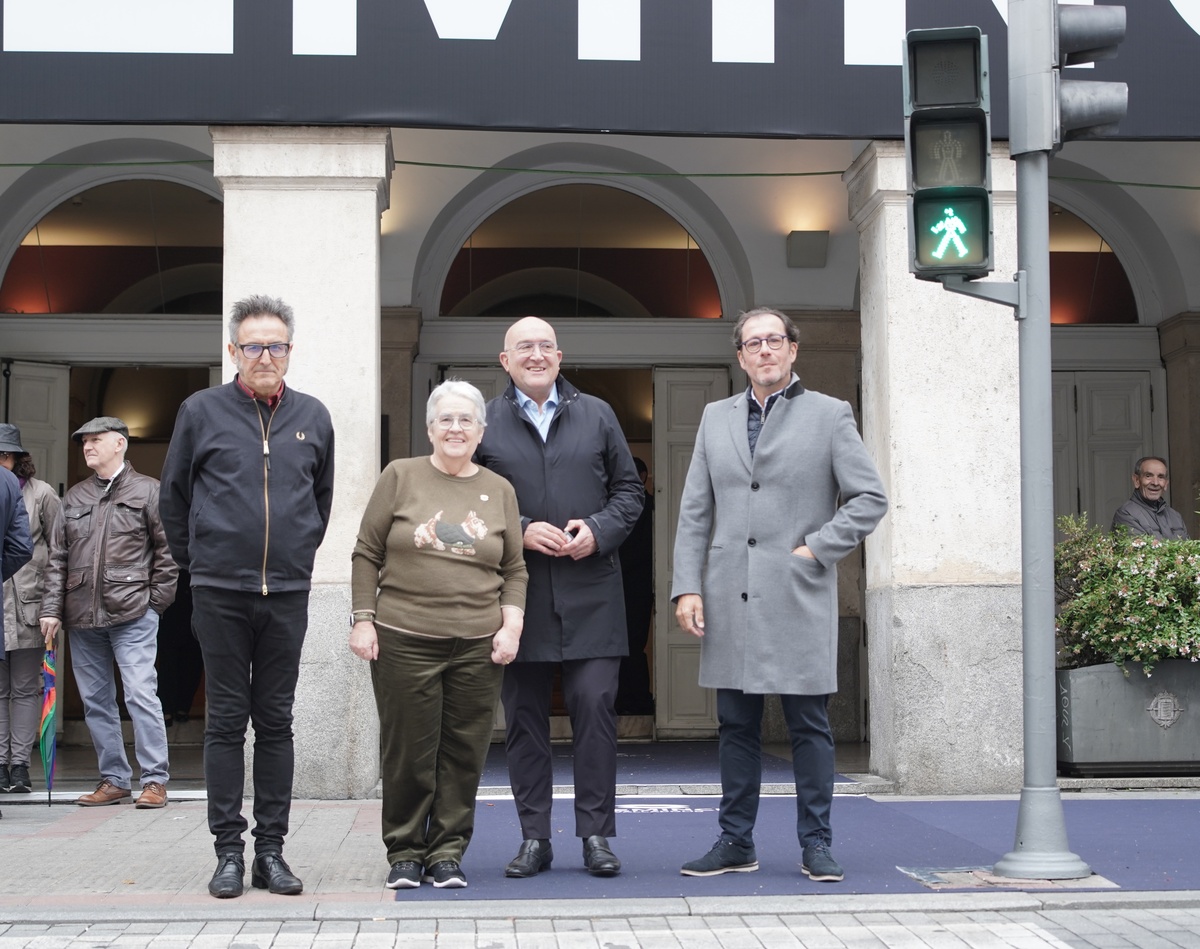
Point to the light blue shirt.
(543, 417)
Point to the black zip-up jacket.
(247, 490)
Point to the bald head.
(528, 328)
(531, 357)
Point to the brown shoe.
(153, 795)
(106, 793)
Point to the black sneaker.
(725, 857)
(819, 864)
(3, 777)
(18, 780)
(404, 875)
(445, 873)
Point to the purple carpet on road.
(663, 762)
(1136, 844)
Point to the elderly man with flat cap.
(109, 578)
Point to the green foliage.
(1125, 598)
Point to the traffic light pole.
(1041, 851)
(946, 110)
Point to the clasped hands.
(575, 540)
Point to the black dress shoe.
(271, 872)
(533, 857)
(226, 883)
(599, 858)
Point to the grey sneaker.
(819, 865)
(445, 873)
(404, 875)
(725, 857)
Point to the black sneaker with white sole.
(445, 873)
(725, 857)
(819, 865)
(404, 875)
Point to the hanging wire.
(162, 290)
(37, 230)
(1095, 281)
(578, 246)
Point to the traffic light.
(1046, 109)
(1087, 34)
(948, 143)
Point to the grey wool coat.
(771, 616)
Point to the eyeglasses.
(774, 341)
(446, 422)
(255, 350)
(544, 346)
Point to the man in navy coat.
(780, 488)
(579, 496)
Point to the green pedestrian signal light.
(951, 229)
(947, 138)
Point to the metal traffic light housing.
(948, 146)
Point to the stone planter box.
(1110, 724)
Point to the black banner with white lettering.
(791, 68)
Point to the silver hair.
(459, 387)
(259, 304)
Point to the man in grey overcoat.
(756, 550)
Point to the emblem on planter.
(1165, 709)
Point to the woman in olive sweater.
(438, 578)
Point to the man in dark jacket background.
(246, 492)
(579, 497)
(1147, 511)
(108, 579)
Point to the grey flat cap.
(10, 438)
(98, 426)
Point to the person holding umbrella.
(20, 676)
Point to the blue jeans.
(134, 647)
(740, 752)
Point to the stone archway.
(677, 196)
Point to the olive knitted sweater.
(437, 554)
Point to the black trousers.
(251, 645)
(740, 751)
(590, 689)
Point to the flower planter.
(1110, 724)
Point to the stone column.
(401, 333)
(1179, 340)
(943, 570)
(302, 208)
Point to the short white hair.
(459, 387)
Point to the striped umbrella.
(48, 739)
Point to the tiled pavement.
(1094, 928)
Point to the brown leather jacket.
(109, 560)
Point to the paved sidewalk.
(116, 876)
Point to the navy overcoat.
(575, 609)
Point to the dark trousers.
(590, 688)
(251, 645)
(740, 749)
(436, 701)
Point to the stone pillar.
(302, 208)
(943, 570)
(401, 332)
(1179, 340)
